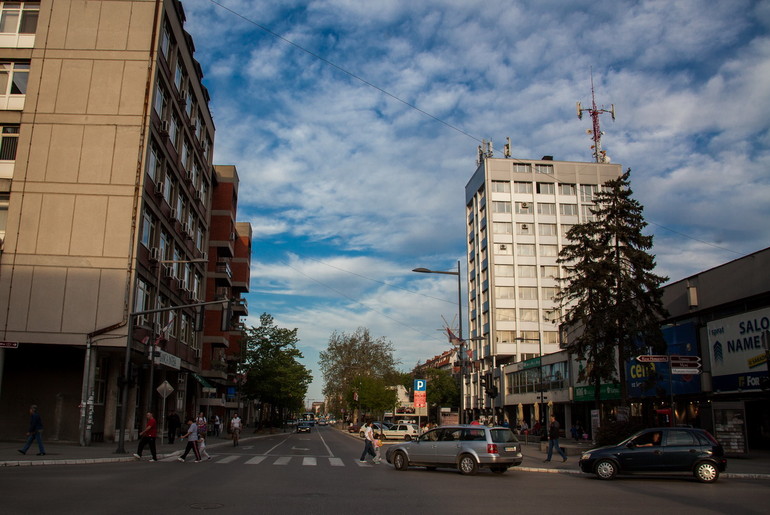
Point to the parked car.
(401, 432)
(464, 447)
(304, 426)
(353, 427)
(660, 449)
(377, 427)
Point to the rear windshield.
(503, 436)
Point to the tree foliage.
(347, 360)
(273, 373)
(611, 295)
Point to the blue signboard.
(420, 385)
(655, 379)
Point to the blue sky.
(348, 188)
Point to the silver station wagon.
(464, 447)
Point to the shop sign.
(735, 348)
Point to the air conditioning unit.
(174, 214)
(168, 271)
(159, 189)
(188, 176)
(524, 227)
(155, 254)
(503, 247)
(205, 256)
(164, 127)
(198, 195)
(197, 353)
(525, 205)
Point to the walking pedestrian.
(378, 447)
(368, 443)
(192, 441)
(147, 437)
(217, 426)
(235, 429)
(173, 423)
(202, 423)
(553, 440)
(202, 447)
(34, 432)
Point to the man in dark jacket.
(174, 423)
(34, 432)
(553, 440)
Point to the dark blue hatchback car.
(661, 449)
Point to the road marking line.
(256, 460)
(363, 464)
(228, 459)
(336, 462)
(283, 460)
(309, 461)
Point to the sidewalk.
(755, 466)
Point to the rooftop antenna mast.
(599, 155)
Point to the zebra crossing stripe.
(336, 462)
(309, 461)
(255, 460)
(283, 460)
(228, 459)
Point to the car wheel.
(706, 472)
(399, 461)
(467, 465)
(498, 470)
(606, 469)
(407, 438)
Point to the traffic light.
(483, 380)
(492, 392)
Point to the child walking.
(377, 447)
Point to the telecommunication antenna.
(599, 155)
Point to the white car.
(402, 432)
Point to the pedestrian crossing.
(274, 460)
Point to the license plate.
(510, 449)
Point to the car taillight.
(491, 448)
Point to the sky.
(354, 126)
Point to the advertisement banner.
(735, 346)
(654, 379)
(420, 393)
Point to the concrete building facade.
(518, 213)
(108, 215)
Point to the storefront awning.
(202, 381)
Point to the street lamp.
(459, 329)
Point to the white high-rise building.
(518, 213)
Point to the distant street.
(319, 473)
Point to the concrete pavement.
(755, 466)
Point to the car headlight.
(586, 456)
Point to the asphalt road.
(318, 472)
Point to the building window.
(565, 228)
(505, 315)
(566, 189)
(502, 228)
(527, 293)
(546, 188)
(148, 228)
(501, 207)
(525, 249)
(544, 169)
(528, 315)
(142, 301)
(527, 271)
(568, 209)
(505, 292)
(587, 192)
(503, 271)
(549, 272)
(165, 41)
(546, 208)
(178, 74)
(549, 293)
(504, 336)
(585, 210)
(159, 102)
(19, 17)
(5, 201)
(13, 78)
(523, 208)
(154, 168)
(546, 229)
(525, 229)
(550, 337)
(521, 168)
(9, 142)
(503, 248)
(501, 186)
(100, 380)
(522, 187)
(549, 250)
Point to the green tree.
(349, 357)
(611, 295)
(374, 395)
(274, 376)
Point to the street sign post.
(685, 365)
(9, 345)
(652, 358)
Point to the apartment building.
(106, 183)
(518, 213)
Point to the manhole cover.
(206, 506)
